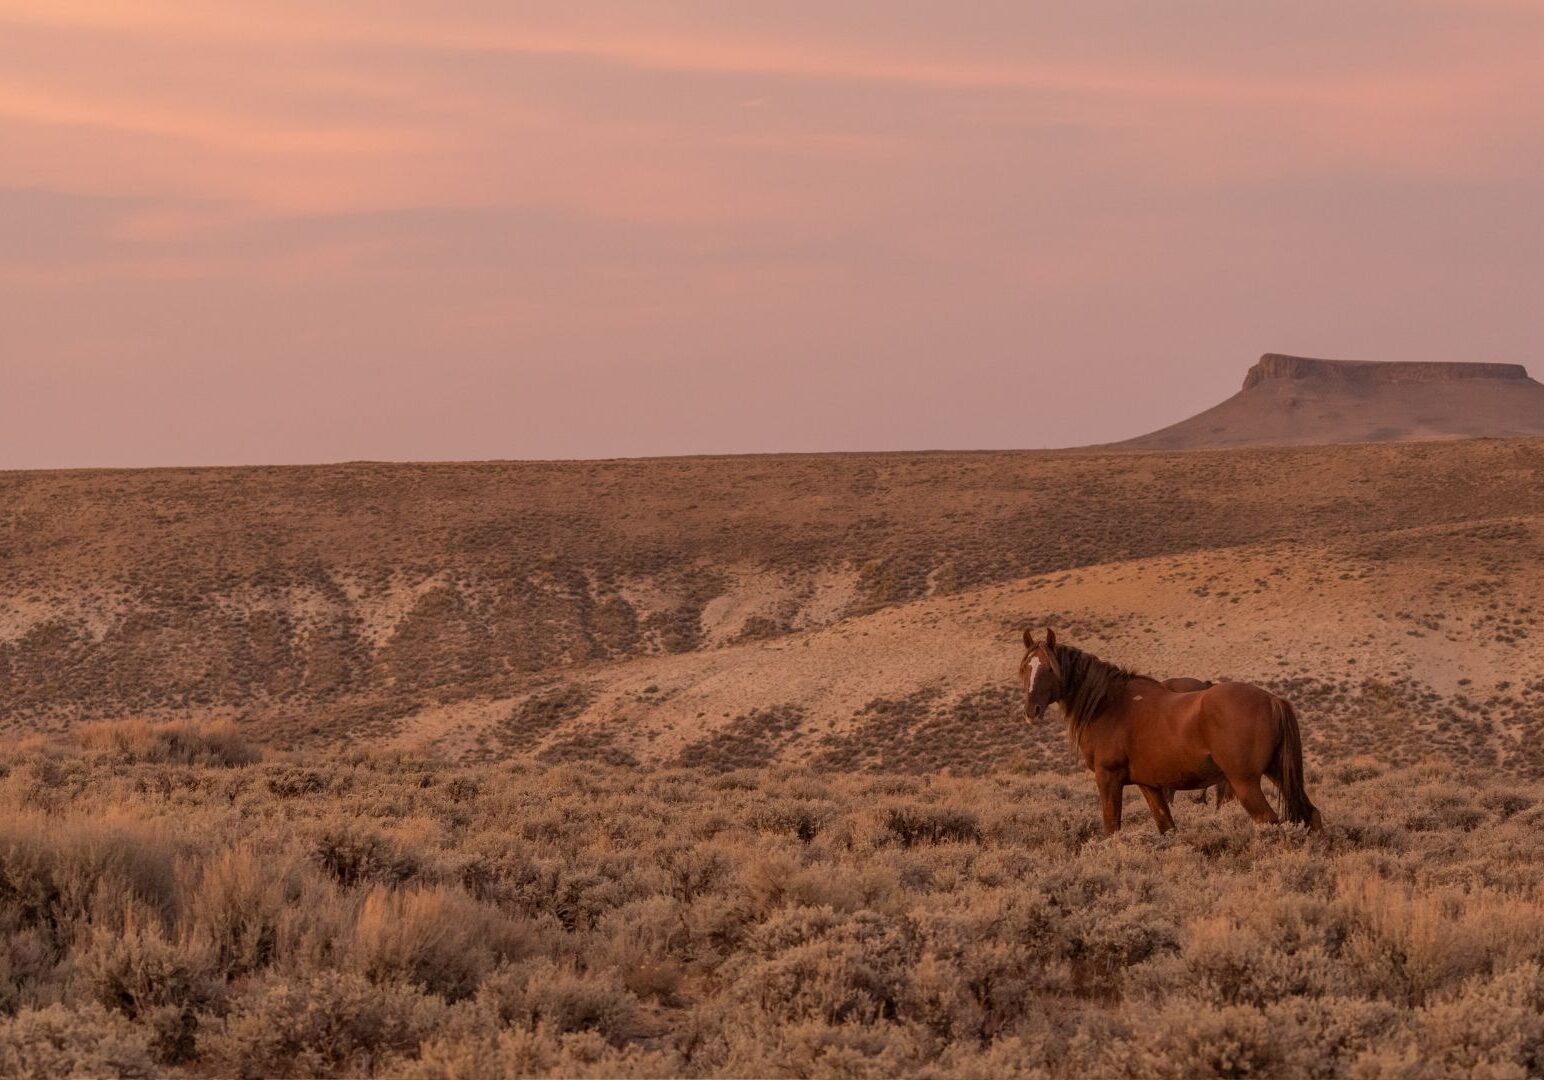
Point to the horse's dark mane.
(1087, 685)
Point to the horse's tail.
(1289, 767)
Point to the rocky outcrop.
(1369, 372)
(1301, 400)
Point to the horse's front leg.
(1158, 803)
(1112, 788)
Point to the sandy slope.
(854, 610)
(1408, 613)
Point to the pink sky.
(293, 232)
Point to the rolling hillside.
(852, 610)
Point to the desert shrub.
(1405, 946)
(691, 871)
(1335, 1036)
(253, 909)
(172, 742)
(814, 964)
(1033, 1054)
(521, 1052)
(917, 823)
(1355, 770)
(438, 939)
(473, 1055)
(538, 715)
(27, 964)
(646, 942)
(1110, 920)
(986, 962)
(1226, 963)
(558, 998)
(148, 976)
(1103, 942)
(330, 1023)
(289, 782)
(747, 741)
(803, 819)
(1494, 1028)
(678, 629)
(1187, 1040)
(54, 872)
(574, 894)
(594, 743)
(353, 853)
(768, 884)
(41, 1044)
(894, 579)
(815, 1048)
(1474, 1037)
(1389, 835)
(596, 921)
(1504, 803)
(759, 628)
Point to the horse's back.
(1234, 697)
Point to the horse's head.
(1040, 673)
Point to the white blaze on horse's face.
(1034, 707)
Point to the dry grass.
(180, 742)
(165, 913)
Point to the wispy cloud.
(727, 192)
(233, 131)
(813, 56)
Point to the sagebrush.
(168, 913)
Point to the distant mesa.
(1300, 400)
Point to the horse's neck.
(1081, 735)
(1097, 669)
(1087, 740)
(1070, 688)
(1078, 725)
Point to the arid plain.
(650, 611)
(719, 766)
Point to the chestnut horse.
(1130, 729)
(1190, 686)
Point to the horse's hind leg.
(1246, 789)
(1159, 805)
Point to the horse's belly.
(1191, 780)
(1171, 760)
(1178, 779)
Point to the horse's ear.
(1029, 637)
(1050, 638)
